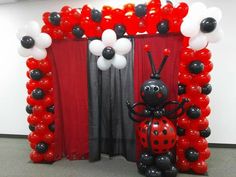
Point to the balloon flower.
(202, 25)
(110, 50)
(32, 41)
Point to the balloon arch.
(195, 65)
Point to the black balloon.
(206, 89)
(163, 27)
(50, 109)
(29, 109)
(171, 156)
(51, 127)
(153, 172)
(32, 128)
(191, 155)
(27, 42)
(180, 131)
(196, 67)
(120, 30)
(96, 15)
(141, 10)
(108, 53)
(193, 112)
(142, 168)
(41, 147)
(181, 89)
(147, 158)
(37, 94)
(208, 25)
(36, 74)
(163, 162)
(55, 18)
(172, 172)
(77, 32)
(205, 133)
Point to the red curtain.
(142, 68)
(69, 62)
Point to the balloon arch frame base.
(192, 127)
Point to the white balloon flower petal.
(103, 64)
(202, 25)
(33, 42)
(122, 46)
(110, 50)
(96, 47)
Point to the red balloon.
(57, 33)
(48, 100)
(118, 15)
(208, 67)
(47, 29)
(46, 18)
(49, 156)
(48, 118)
(154, 4)
(34, 138)
(65, 11)
(183, 122)
(202, 79)
(129, 7)
(201, 101)
(49, 137)
(75, 16)
(200, 167)
(45, 66)
(106, 11)
(31, 85)
(107, 23)
(36, 157)
(182, 10)
(203, 54)
(204, 155)
(45, 83)
(185, 78)
(131, 22)
(192, 134)
(175, 24)
(200, 144)
(183, 143)
(152, 19)
(142, 26)
(167, 10)
(40, 129)
(86, 11)
(66, 25)
(33, 120)
(32, 145)
(193, 90)
(183, 165)
(32, 63)
(202, 123)
(206, 111)
(187, 55)
(38, 110)
(32, 101)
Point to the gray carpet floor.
(14, 162)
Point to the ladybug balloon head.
(154, 91)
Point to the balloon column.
(156, 132)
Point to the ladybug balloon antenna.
(156, 74)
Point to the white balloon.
(197, 8)
(119, 61)
(216, 35)
(215, 13)
(103, 64)
(198, 42)
(38, 53)
(96, 47)
(122, 46)
(109, 37)
(24, 52)
(43, 41)
(33, 29)
(21, 32)
(190, 28)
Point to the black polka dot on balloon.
(143, 140)
(156, 142)
(155, 132)
(164, 132)
(165, 141)
(172, 141)
(164, 121)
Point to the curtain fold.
(69, 62)
(142, 68)
(110, 129)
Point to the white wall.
(13, 69)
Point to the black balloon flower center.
(27, 42)
(108, 53)
(208, 25)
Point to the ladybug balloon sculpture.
(156, 132)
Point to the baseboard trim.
(211, 145)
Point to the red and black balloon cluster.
(90, 22)
(192, 128)
(41, 110)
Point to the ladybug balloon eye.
(147, 88)
(156, 89)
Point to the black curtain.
(110, 129)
